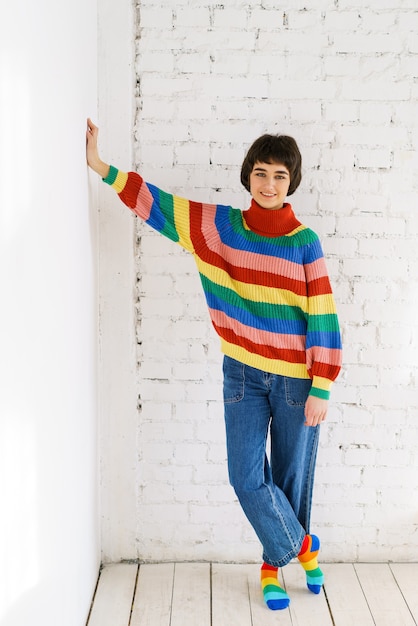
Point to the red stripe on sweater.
(319, 287)
(324, 370)
(129, 194)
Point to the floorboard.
(113, 600)
(230, 597)
(154, 595)
(406, 575)
(345, 596)
(386, 602)
(191, 595)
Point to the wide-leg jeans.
(275, 488)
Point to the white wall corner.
(117, 358)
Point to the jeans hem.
(292, 554)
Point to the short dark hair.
(274, 149)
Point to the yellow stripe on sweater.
(182, 222)
(322, 305)
(322, 383)
(275, 366)
(120, 181)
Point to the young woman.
(270, 301)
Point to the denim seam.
(239, 396)
(310, 473)
(291, 553)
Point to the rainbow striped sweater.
(264, 277)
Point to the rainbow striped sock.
(275, 596)
(308, 559)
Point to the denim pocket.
(234, 379)
(297, 390)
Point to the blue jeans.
(275, 494)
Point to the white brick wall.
(339, 77)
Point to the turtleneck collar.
(271, 223)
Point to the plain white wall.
(49, 527)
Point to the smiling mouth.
(268, 195)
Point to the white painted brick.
(341, 514)
(225, 18)
(339, 475)
(266, 19)
(196, 154)
(231, 64)
(412, 44)
(392, 314)
(308, 111)
(151, 18)
(296, 90)
(371, 226)
(381, 158)
(192, 17)
(160, 154)
(189, 493)
(291, 41)
(193, 62)
(151, 39)
(363, 375)
(225, 155)
(388, 476)
(196, 391)
(362, 457)
(150, 83)
(357, 415)
(372, 114)
(396, 335)
(342, 20)
(408, 20)
(156, 285)
(190, 371)
(341, 112)
(372, 135)
(162, 62)
(217, 454)
(375, 21)
(380, 91)
(154, 390)
(342, 65)
(311, 64)
(377, 248)
(169, 131)
(156, 370)
(364, 44)
(220, 494)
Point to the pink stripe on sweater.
(242, 258)
(261, 337)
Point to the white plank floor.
(205, 594)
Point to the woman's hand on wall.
(92, 152)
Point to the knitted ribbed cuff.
(319, 393)
(111, 177)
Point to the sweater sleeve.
(323, 338)
(167, 214)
